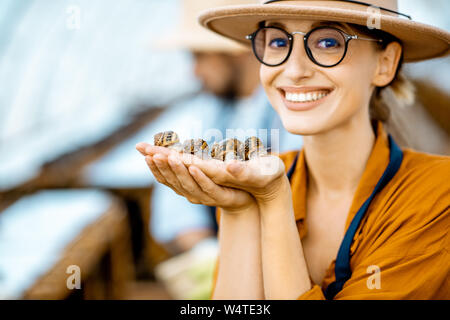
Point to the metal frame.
(306, 36)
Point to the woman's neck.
(336, 159)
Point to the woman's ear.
(388, 61)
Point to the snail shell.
(166, 139)
(215, 151)
(253, 147)
(228, 149)
(197, 147)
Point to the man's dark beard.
(231, 92)
(230, 95)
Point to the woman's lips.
(304, 98)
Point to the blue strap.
(342, 268)
(292, 168)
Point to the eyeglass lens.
(326, 46)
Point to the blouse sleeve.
(315, 293)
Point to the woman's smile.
(304, 98)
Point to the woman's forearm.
(240, 274)
(284, 267)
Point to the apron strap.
(342, 268)
(292, 168)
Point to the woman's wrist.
(280, 192)
(250, 207)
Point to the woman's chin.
(302, 126)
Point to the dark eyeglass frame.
(306, 36)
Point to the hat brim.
(199, 43)
(420, 41)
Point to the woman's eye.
(328, 43)
(278, 43)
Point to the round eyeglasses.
(325, 46)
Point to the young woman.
(351, 215)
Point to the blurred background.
(81, 82)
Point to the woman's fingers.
(256, 173)
(179, 179)
(188, 184)
(141, 146)
(252, 176)
(206, 184)
(163, 167)
(192, 183)
(159, 177)
(222, 195)
(214, 169)
(154, 150)
(150, 150)
(237, 170)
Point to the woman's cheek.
(264, 77)
(267, 77)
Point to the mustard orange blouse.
(401, 248)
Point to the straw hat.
(420, 41)
(191, 36)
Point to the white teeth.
(308, 97)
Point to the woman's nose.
(298, 66)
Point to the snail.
(229, 149)
(197, 147)
(253, 147)
(168, 139)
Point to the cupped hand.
(190, 182)
(262, 177)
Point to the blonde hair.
(389, 105)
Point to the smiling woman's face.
(334, 95)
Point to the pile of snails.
(228, 149)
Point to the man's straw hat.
(420, 41)
(191, 36)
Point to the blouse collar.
(376, 165)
